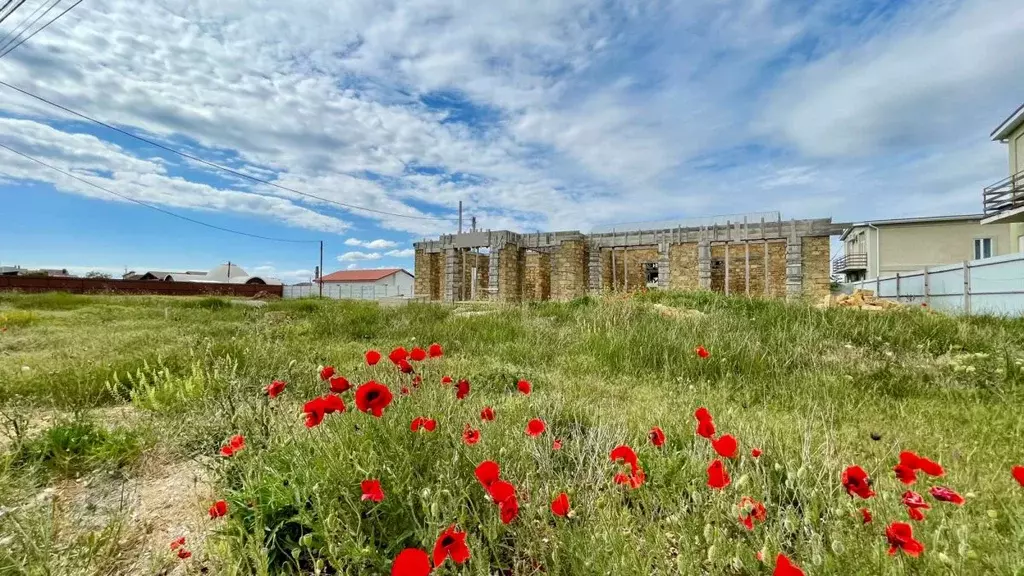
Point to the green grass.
(812, 388)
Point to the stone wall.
(429, 272)
(815, 257)
(738, 269)
(569, 270)
(537, 276)
(511, 264)
(683, 266)
(629, 267)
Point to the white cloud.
(352, 267)
(358, 256)
(404, 253)
(379, 244)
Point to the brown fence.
(93, 285)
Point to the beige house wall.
(910, 247)
(1016, 145)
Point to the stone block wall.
(815, 254)
(428, 275)
(683, 266)
(738, 269)
(777, 269)
(569, 270)
(511, 264)
(537, 276)
(629, 267)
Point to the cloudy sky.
(538, 114)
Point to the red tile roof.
(361, 275)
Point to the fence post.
(897, 287)
(927, 288)
(967, 287)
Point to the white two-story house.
(1004, 201)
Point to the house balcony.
(854, 262)
(1003, 201)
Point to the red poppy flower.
(910, 460)
(624, 455)
(487, 473)
(487, 414)
(535, 427)
(702, 352)
(219, 508)
(718, 477)
(175, 544)
(371, 490)
(372, 357)
(751, 510)
(339, 384)
(373, 398)
(702, 414)
(275, 388)
(421, 423)
(915, 503)
(314, 410)
(706, 428)
(184, 554)
(560, 505)
(411, 562)
(417, 381)
(944, 494)
(865, 515)
(429, 424)
(524, 386)
(326, 372)
(470, 435)
(856, 481)
(905, 474)
(634, 480)
(418, 354)
(556, 445)
(755, 452)
(333, 403)
(398, 354)
(434, 350)
(236, 443)
(446, 380)
(726, 446)
(451, 544)
(1018, 474)
(930, 467)
(462, 389)
(508, 509)
(227, 451)
(785, 567)
(405, 367)
(405, 390)
(901, 537)
(656, 436)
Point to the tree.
(97, 274)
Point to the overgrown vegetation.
(816, 390)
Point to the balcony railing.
(1005, 195)
(850, 262)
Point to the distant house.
(380, 283)
(50, 272)
(226, 273)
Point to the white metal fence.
(341, 291)
(988, 286)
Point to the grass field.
(114, 410)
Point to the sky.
(536, 114)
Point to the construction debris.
(861, 299)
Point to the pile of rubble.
(862, 299)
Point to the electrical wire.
(16, 6)
(214, 164)
(157, 208)
(40, 29)
(15, 32)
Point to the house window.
(651, 273)
(982, 248)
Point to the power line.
(40, 29)
(157, 208)
(16, 6)
(17, 30)
(214, 164)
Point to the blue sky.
(537, 114)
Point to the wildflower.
(333, 403)
(901, 537)
(179, 543)
(755, 452)
(943, 494)
(706, 428)
(371, 490)
(915, 503)
(314, 410)
(372, 357)
(184, 554)
(560, 505)
(718, 477)
(702, 414)
(235, 444)
(856, 481)
(524, 386)
(462, 389)
(487, 473)
(422, 423)
(556, 445)
(451, 544)
(398, 354)
(785, 567)
(865, 515)
(504, 494)
(404, 366)
(656, 436)
(487, 414)
(1018, 474)
(339, 384)
(930, 467)
(417, 380)
(275, 388)
(411, 562)
(726, 446)
(326, 372)
(624, 455)
(535, 427)
(373, 398)
(434, 350)
(470, 435)
(634, 480)
(446, 380)
(218, 509)
(905, 474)
(418, 354)
(751, 510)
(405, 390)
(702, 352)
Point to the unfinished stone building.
(763, 258)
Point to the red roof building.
(369, 284)
(343, 276)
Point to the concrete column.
(663, 263)
(453, 274)
(794, 268)
(594, 269)
(704, 263)
(493, 274)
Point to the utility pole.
(460, 216)
(320, 280)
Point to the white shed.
(369, 284)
